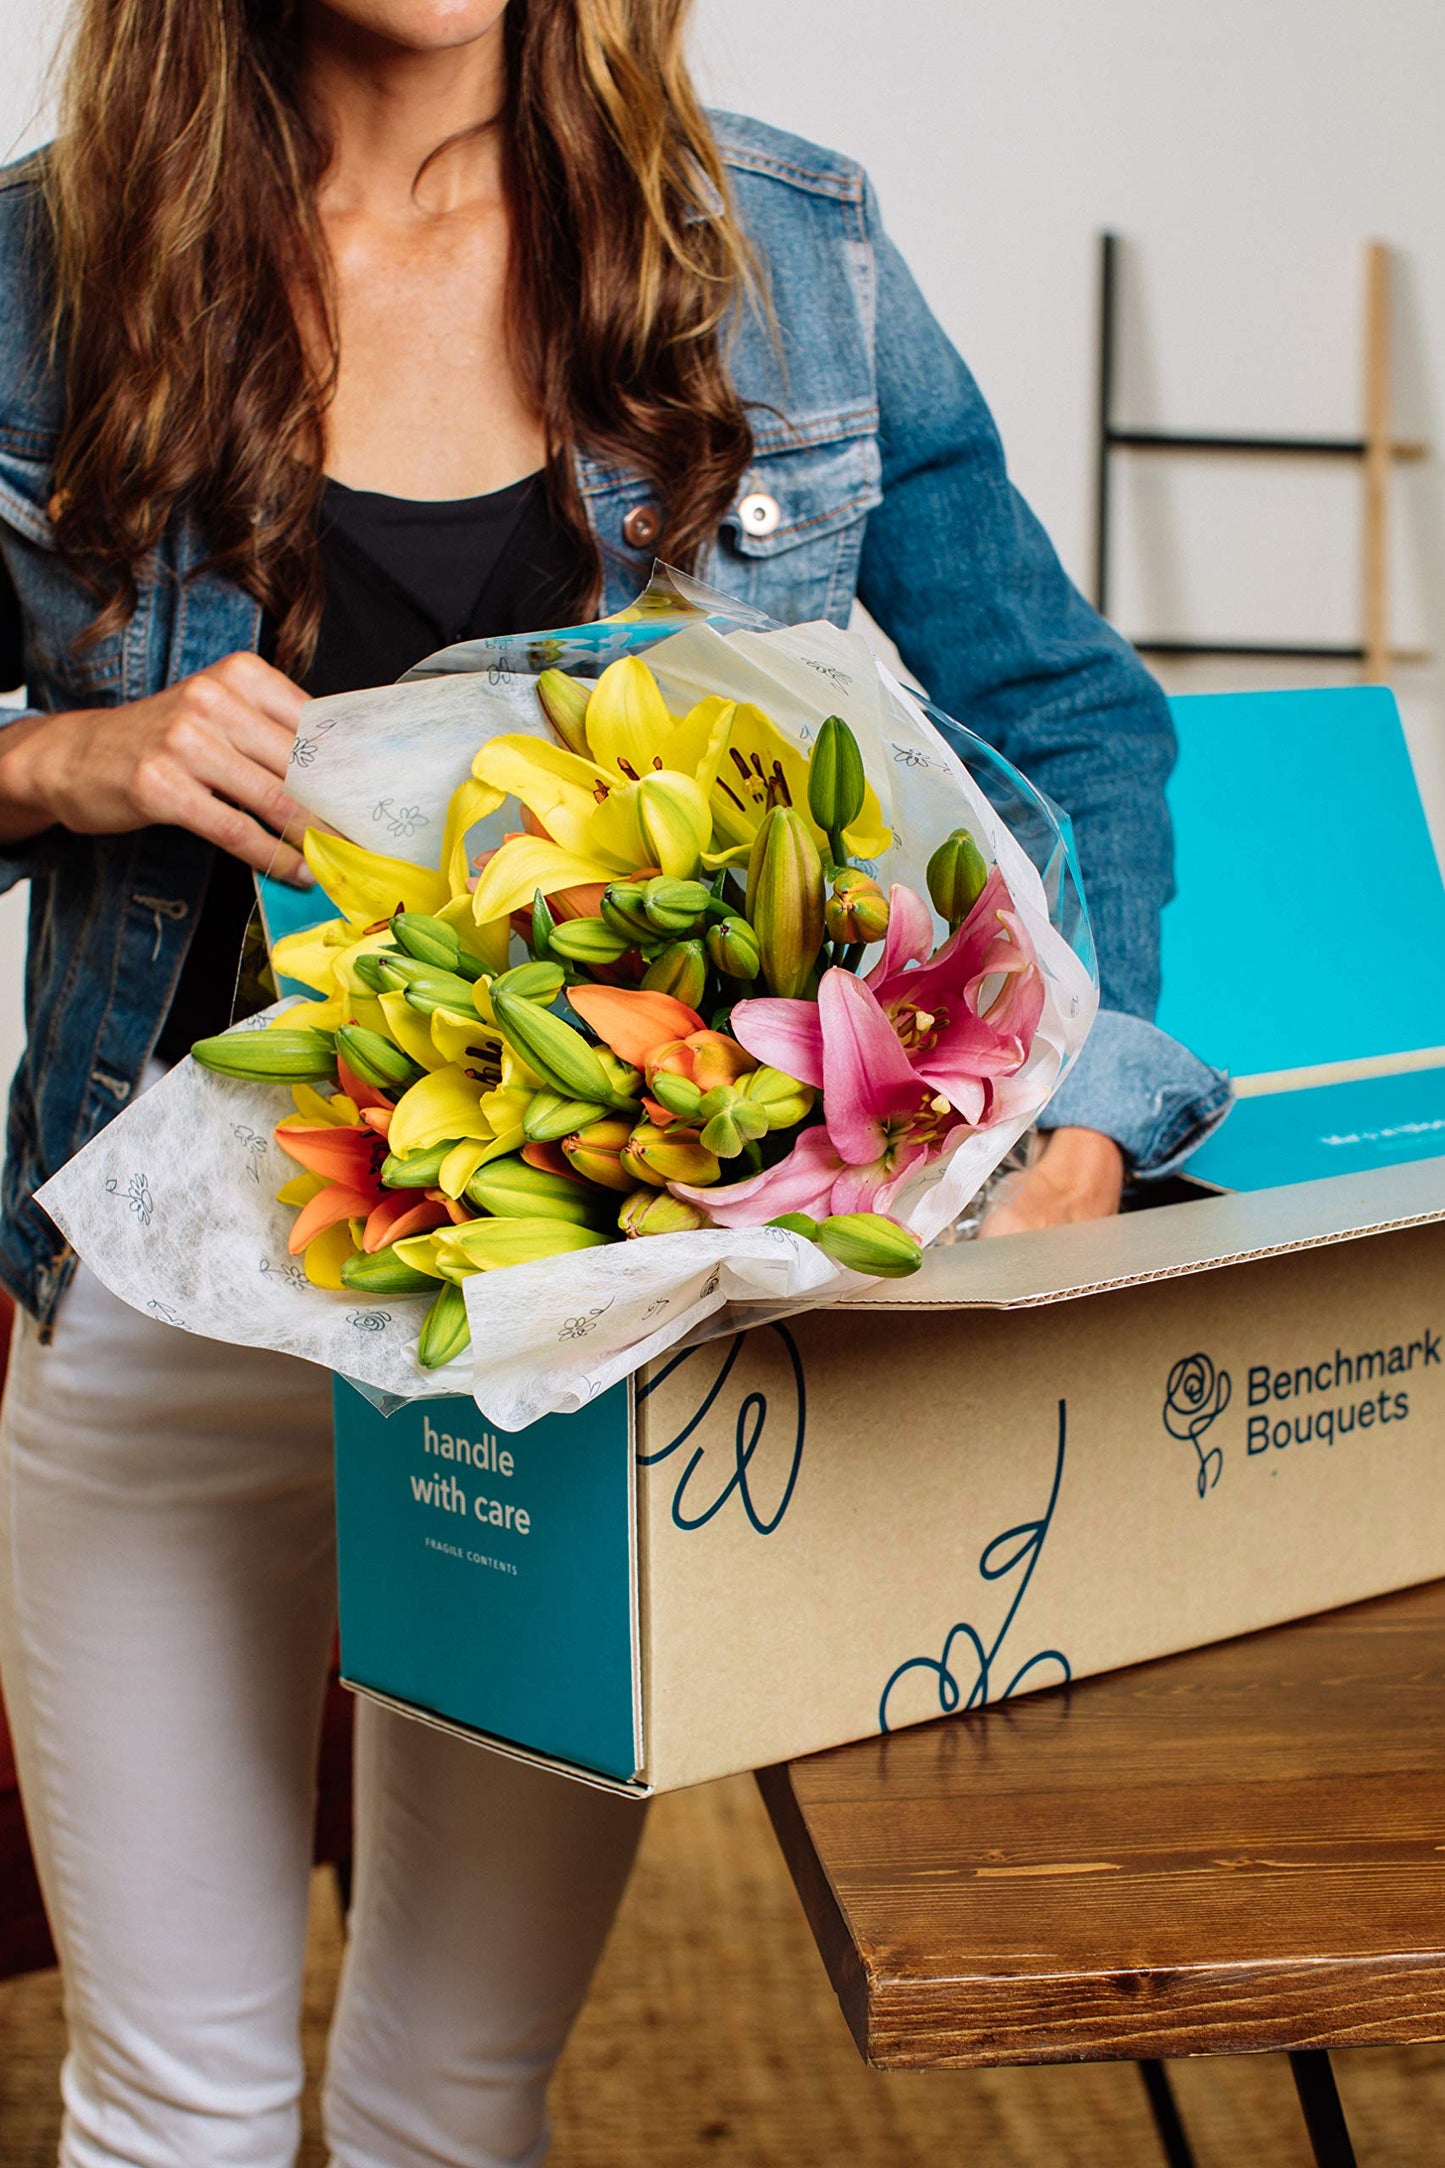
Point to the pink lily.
(908, 1061)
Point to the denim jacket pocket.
(790, 545)
(65, 669)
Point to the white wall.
(1246, 149)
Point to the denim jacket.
(875, 445)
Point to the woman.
(335, 330)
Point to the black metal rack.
(1375, 451)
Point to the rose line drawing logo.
(1194, 1398)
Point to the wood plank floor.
(712, 2036)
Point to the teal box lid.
(490, 1580)
(1307, 931)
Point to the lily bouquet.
(723, 984)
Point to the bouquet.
(647, 1008)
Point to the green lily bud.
(370, 967)
(676, 824)
(432, 941)
(660, 1156)
(836, 782)
(433, 990)
(541, 982)
(653, 1212)
(384, 1273)
(957, 876)
(542, 925)
(486, 1245)
(589, 941)
(869, 1242)
(564, 703)
(550, 1116)
(445, 1332)
(560, 1056)
(730, 1122)
(732, 947)
(857, 911)
(268, 1057)
(626, 1082)
(624, 905)
(511, 1189)
(596, 1152)
(680, 970)
(782, 1100)
(416, 1170)
(674, 906)
(797, 1223)
(375, 1060)
(678, 1094)
(785, 900)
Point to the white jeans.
(166, 1608)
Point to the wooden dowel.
(1379, 449)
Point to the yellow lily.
(759, 759)
(324, 1256)
(641, 799)
(366, 886)
(450, 1104)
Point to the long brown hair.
(182, 188)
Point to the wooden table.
(1234, 1850)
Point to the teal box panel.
(1302, 855)
(1333, 1129)
(499, 1597)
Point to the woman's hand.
(209, 754)
(1079, 1175)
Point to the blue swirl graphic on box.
(749, 1427)
(1020, 1546)
(1194, 1398)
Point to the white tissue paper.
(172, 1205)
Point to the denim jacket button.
(642, 526)
(759, 514)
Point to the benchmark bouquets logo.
(1194, 1399)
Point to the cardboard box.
(1040, 1457)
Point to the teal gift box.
(1040, 1458)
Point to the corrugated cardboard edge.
(551, 1762)
(1065, 1264)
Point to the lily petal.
(559, 787)
(365, 885)
(867, 1077)
(460, 1164)
(628, 722)
(872, 1188)
(349, 1156)
(328, 1208)
(784, 1034)
(523, 864)
(803, 1182)
(445, 1104)
(471, 802)
(401, 1213)
(327, 1254)
(633, 1020)
(909, 938)
(411, 1031)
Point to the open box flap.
(1019, 1272)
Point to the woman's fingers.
(209, 743)
(192, 806)
(260, 685)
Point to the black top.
(403, 577)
